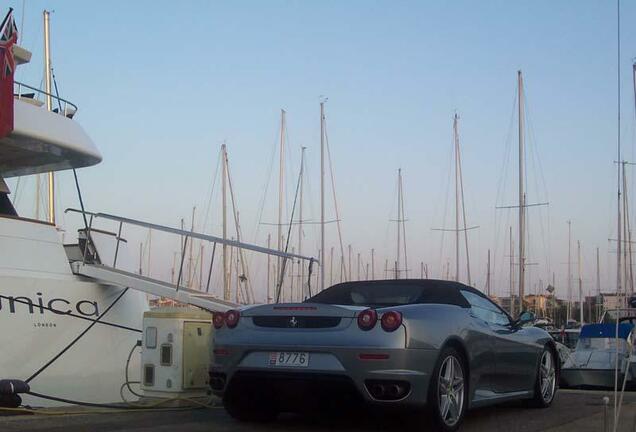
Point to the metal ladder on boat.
(156, 287)
(110, 274)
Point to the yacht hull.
(68, 336)
(61, 337)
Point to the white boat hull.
(44, 308)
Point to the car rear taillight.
(367, 319)
(232, 318)
(218, 319)
(391, 320)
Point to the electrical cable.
(122, 408)
(128, 407)
(128, 382)
(46, 412)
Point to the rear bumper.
(341, 367)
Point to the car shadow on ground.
(374, 418)
(503, 417)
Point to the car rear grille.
(296, 321)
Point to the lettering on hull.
(59, 306)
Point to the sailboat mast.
(227, 294)
(149, 249)
(190, 267)
(512, 275)
(569, 308)
(330, 266)
(281, 188)
(627, 235)
(372, 264)
(403, 218)
(322, 192)
(578, 247)
(598, 280)
(300, 222)
(456, 142)
(49, 105)
(350, 250)
(522, 196)
(399, 234)
(488, 276)
(269, 263)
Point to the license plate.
(289, 359)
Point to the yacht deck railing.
(59, 105)
(187, 236)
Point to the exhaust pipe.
(387, 390)
(377, 391)
(394, 391)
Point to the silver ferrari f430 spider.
(435, 346)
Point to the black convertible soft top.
(380, 293)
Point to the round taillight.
(232, 318)
(367, 319)
(391, 320)
(219, 319)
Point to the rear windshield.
(390, 293)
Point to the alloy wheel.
(451, 390)
(547, 376)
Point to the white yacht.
(65, 335)
(70, 314)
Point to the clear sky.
(160, 85)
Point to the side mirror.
(524, 318)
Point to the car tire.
(448, 391)
(248, 407)
(546, 382)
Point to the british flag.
(8, 38)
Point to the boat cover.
(606, 330)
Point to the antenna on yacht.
(49, 105)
